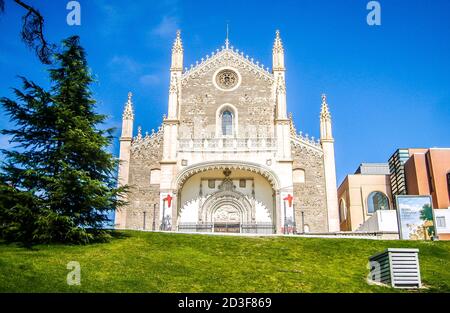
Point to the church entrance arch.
(227, 199)
(227, 210)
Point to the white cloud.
(112, 19)
(167, 27)
(122, 66)
(125, 63)
(149, 80)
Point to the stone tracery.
(227, 79)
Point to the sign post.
(288, 220)
(163, 219)
(166, 223)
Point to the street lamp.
(163, 222)
(145, 212)
(303, 222)
(154, 217)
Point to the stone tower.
(327, 141)
(124, 154)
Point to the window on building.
(342, 211)
(448, 185)
(211, 183)
(298, 176)
(440, 222)
(242, 183)
(155, 176)
(227, 123)
(377, 201)
(429, 172)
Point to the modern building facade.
(397, 171)
(227, 157)
(362, 194)
(397, 162)
(428, 173)
(365, 196)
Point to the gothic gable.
(227, 79)
(227, 57)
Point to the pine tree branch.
(33, 32)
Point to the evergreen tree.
(58, 183)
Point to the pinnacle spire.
(324, 111)
(177, 44)
(278, 44)
(177, 53)
(128, 110)
(139, 135)
(278, 54)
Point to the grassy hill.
(163, 262)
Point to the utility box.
(398, 268)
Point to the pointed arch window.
(227, 123)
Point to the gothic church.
(227, 157)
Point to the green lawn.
(157, 262)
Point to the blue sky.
(388, 86)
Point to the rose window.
(227, 79)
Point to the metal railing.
(258, 228)
(195, 227)
(246, 228)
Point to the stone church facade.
(227, 157)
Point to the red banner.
(169, 200)
(289, 199)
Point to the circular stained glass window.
(227, 79)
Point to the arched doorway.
(227, 211)
(227, 219)
(230, 199)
